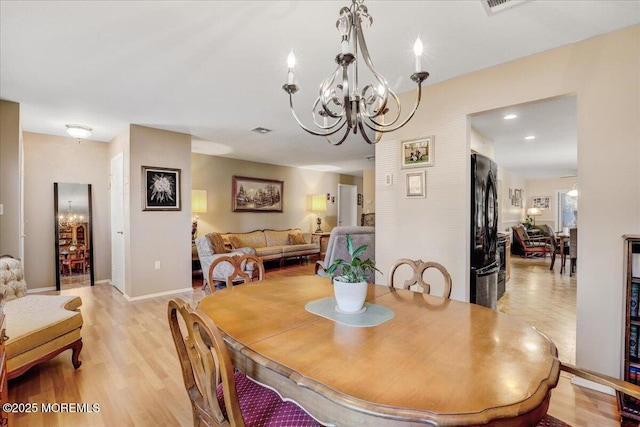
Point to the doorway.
(347, 205)
(536, 148)
(117, 222)
(73, 235)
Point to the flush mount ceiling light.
(530, 137)
(341, 104)
(510, 116)
(79, 131)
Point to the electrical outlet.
(157, 265)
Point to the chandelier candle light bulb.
(291, 62)
(417, 49)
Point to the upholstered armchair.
(38, 327)
(211, 247)
(337, 246)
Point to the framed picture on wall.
(160, 189)
(541, 202)
(417, 152)
(416, 185)
(256, 194)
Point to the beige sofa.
(39, 327)
(274, 244)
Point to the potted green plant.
(350, 287)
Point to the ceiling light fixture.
(78, 131)
(530, 137)
(341, 103)
(510, 116)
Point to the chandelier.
(341, 105)
(70, 219)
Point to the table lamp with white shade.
(318, 204)
(198, 205)
(534, 212)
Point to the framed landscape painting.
(256, 195)
(417, 153)
(160, 189)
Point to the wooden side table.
(196, 268)
(323, 240)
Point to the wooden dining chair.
(219, 394)
(233, 267)
(419, 267)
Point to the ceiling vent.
(496, 6)
(261, 130)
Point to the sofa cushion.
(279, 237)
(38, 319)
(12, 279)
(217, 242)
(296, 239)
(253, 239)
(306, 248)
(269, 251)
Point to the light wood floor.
(129, 366)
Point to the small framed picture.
(359, 199)
(541, 202)
(416, 185)
(160, 189)
(417, 153)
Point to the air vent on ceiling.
(261, 130)
(495, 6)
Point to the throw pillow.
(296, 239)
(217, 242)
(235, 242)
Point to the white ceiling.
(215, 69)
(554, 151)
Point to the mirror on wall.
(73, 235)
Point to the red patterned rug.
(549, 421)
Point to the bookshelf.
(630, 407)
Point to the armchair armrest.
(218, 273)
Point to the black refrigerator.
(484, 231)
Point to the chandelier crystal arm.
(313, 132)
(385, 128)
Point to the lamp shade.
(318, 203)
(534, 212)
(198, 201)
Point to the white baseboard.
(99, 282)
(159, 294)
(593, 386)
(36, 290)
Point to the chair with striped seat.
(220, 395)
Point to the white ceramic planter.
(350, 296)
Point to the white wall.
(550, 188)
(214, 174)
(10, 197)
(50, 159)
(603, 73)
(510, 214)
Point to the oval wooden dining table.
(436, 362)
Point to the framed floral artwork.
(160, 189)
